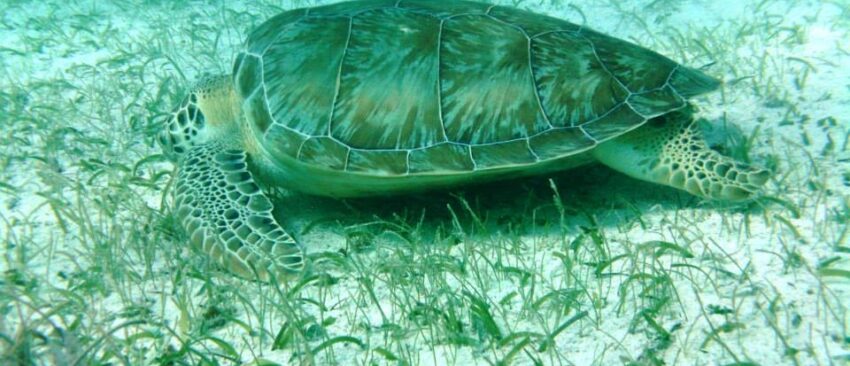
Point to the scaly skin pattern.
(670, 150)
(216, 197)
(228, 216)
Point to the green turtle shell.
(417, 87)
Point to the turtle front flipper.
(227, 215)
(670, 150)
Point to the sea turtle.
(384, 97)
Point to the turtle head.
(207, 110)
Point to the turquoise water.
(583, 267)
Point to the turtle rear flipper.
(670, 150)
(229, 217)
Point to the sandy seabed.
(588, 268)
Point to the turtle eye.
(199, 120)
